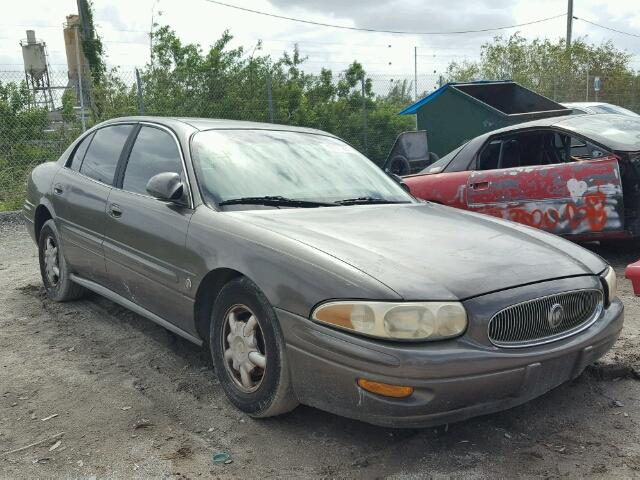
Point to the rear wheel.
(248, 351)
(53, 266)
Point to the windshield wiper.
(365, 200)
(275, 201)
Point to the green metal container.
(458, 112)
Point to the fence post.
(140, 97)
(586, 99)
(269, 96)
(415, 75)
(80, 91)
(365, 127)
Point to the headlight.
(611, 284)
(399, 321)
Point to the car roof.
(616, 132)
(214, 124)
(584, 104)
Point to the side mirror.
(399, 181)
(166, 186)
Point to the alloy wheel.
(243, 345)
(51, 261)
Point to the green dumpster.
(458, 112)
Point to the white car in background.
(593, 108)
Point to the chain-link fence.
(37, 125)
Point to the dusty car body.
(577, 176)
(597, 108)
(384, 309)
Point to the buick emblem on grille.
(545, 319)
(555, 316)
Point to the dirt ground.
(109, 394)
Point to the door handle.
(58, 189)
(480, 185)
(114, 210)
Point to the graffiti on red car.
(590, 213)
(576, 198)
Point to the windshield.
(241, 164)
(439, 165)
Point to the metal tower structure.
(36, 69)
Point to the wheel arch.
(206, 295)
(40, 217)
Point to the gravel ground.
(109, 394)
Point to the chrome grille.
(545, 319)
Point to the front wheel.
(248, 351)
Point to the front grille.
(545, 319)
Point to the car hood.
(431, 252)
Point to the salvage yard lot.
(135, 401)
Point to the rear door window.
(78, 155)
(571, 149)
(102, 157)
(490, 155)
(538, 147)
(154, 151)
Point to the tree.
(224, 82)
(22, 141)
(399, 92)
(549, 68)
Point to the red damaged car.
(577, 176)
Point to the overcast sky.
(124, 27)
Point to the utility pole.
(569, 22)
(85, 33)
(415, 74)
(151, 31)
(82, 13)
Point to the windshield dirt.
(236, 164)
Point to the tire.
(399, 165)
(260, 392)
(53, 266)
(433, 158)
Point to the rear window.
(76, 159)
(102, 157)
(605, 108)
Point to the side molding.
(114, 297)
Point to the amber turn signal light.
(385, 389)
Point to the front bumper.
(453, 380)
